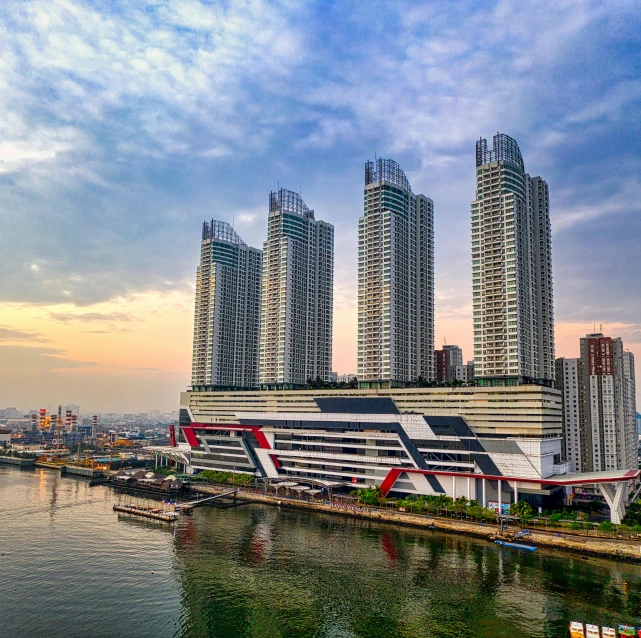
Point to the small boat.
(527, 548)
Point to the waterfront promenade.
(617, 548)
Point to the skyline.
(123, 131)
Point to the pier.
(189, 505)
(166, 516)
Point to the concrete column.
(484, 503)
(499, 486)
(614, 497)
(516, 492)
(454, 488)
(156, 459)
(469, 488)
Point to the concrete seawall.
(87, 472)
(12, 460)
(629, 551)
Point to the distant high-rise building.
(449, 364)
(227, 310)
(511, 269)
(297, 300)
(395, 279)
(469, 371)
(569, 379)
(599, 406)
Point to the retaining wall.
(618, 549)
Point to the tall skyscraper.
(609, 404)
(227, 313)
(511, 269)
(395, 280)
(297, 302)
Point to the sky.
(124, 125)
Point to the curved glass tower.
(395, 280)
(511, 269)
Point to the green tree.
(606, 526)
(370, 495)
(522, 509)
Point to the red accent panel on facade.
(260, 437)
(172, 435)
(277, 463)
(389, 480)
(191, 437)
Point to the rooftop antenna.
(233, 218)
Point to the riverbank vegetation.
(568, 520)
(224, 478)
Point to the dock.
(148, 512)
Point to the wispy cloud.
(37, 359)
(92, 317)
(8, 334)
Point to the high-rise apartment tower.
(297, 301)
(569, 379)
(609, 405)
(395, 280)
(511, 269)
(227, 314)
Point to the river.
(73, 567)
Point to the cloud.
(15, 334)
(91, 317)
(37, 359)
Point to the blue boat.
(527, 548)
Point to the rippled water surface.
(73, 567)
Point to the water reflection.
(263, 572)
